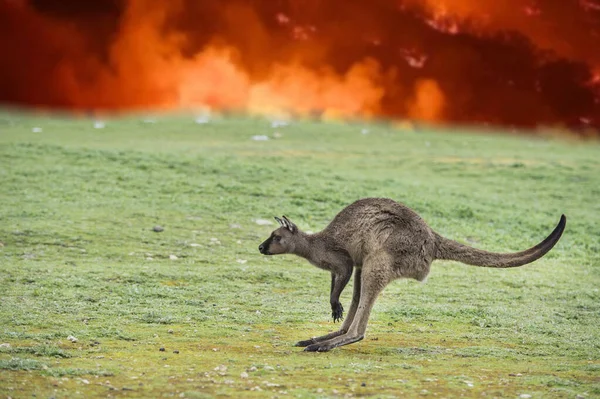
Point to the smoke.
(509, 63)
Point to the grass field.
(79, 258)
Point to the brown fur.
(382, 240)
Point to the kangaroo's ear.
(289, 224)
(281, 223)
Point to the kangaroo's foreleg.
(338, 283)
(373, 282)
(347, 320)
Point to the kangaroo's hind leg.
(376, 275)
(349, 316)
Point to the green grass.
(79, 257)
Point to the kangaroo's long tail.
(447, 249)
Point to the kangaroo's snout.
(264, 248)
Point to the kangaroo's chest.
(334, 260)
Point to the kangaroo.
(382, 240)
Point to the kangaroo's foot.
(305, 342)
(328, 345)
(315, 340)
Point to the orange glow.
(428, 103)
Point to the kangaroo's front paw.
(337, 311)
(305, 343)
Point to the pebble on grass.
(202, 119)
(277, 123)
(176, 352)
(162, 349)
(158, 229)
(263, 222)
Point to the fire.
(305, 91)
(468, 61)
(428, 103)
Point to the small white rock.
(253, 368)
(222, 368)
(365, 131)
(263, 222)
(72, 338)
(242, 261)
(244, 375)
(99, 125)
(203, 119)
(36, 130)
(86, 382)
(6, 345)
(173, 257)
(277, 135)
(260, 138)
(276, 124)
(194, 245)
(524, 396)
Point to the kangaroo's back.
(372, 224)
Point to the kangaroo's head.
(282, 240)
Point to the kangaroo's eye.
(277, 238)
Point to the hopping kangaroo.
(384, 240)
